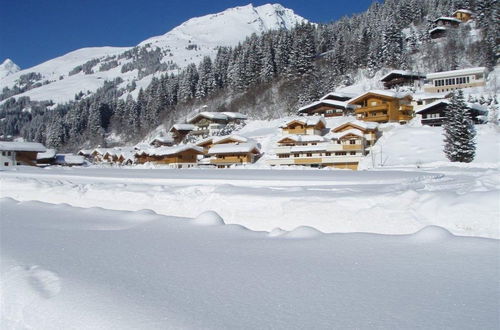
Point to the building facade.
(383, 107)
(447, 81)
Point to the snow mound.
(45, 282)
(431, 234)
(302, 232)
(277, 232)
(209, 218)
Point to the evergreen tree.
(459, 131)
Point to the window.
(296, 155)
(284, 156)
(339, 142)
(352, 142)
(3, 153)
(309, 154)
(9, 153)
(328, 154)
(340, 153)
(353, 153)
(6, 164)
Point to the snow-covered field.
(125, 248)
(71, 268)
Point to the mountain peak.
(8, 67)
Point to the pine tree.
(459, 131)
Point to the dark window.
(6, 164)
(352, 141)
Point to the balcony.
(352, 147)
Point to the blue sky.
(33, 31)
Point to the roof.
(303, 138)
(85, 152)
(439, 28)
(339, 135)
(309, 121)
(466, 11)
(22, 146)
(236, 138)
(362, 124)
(446, 18)
(333, 103)
(338, 96)
(166, 151)
(233, 148)
(235, 115)
(318, 147)
(388, 76)
(429, 96)
(48, 154)
(163, 139)
(69, 159)
(208, 115)
(453, 73)
(386, 93)
(473, 106)
(183, 127)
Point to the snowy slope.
(69, 268)
(7, 68)
(206, 33)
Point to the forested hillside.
(268, 75)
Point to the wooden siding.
(188, 156)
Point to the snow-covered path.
(69, 268)
(462, 200)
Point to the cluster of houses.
(306, 140)
(444, 23)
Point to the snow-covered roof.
(303, 138)
(117, 151)
(465, 11)
(453, 73)
(338, 95)
(69, 159)
(446, 18)
(430, 96)
(402, 73)
(48, 154)
(85, 152)
(183, 127)
(474, 106)
(339, 135)
(22, 146)
(235, 115)
(387, 93)
(363, 124)
(208, 115)
(308, 121)
(439, 28)
(166, 151)
(163, 139)
(333, 103)
(236, 138)
(233, 148)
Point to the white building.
(19, 153)
(448, 81)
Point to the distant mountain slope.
(8, 68)
(86, 69)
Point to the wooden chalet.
(338, 96)
(343, 147)
(447, 21)
(210, 123)
(225, 155)
(304, 126)
(326, 108)
(19, 153)
(434, 114)
(383, 106)
(397, 78)
(162, 141)
(463, 15)
(180, 131)
(184, 156)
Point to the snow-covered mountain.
(86, 69)
(8, 67)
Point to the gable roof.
(465, 11)
(383, 93)
(235, 138)
(163, 139)
(332, 103)
(233, 148)
(338, 96)
(402, 73)
(183, 127)
(303, 138)
(167, 151)
(472, 106)
(446, 18)
(308, 121)
(48, 154)
(360, 125)
(22, 146)
(235, 115)
(208, 115)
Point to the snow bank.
(162, 272)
